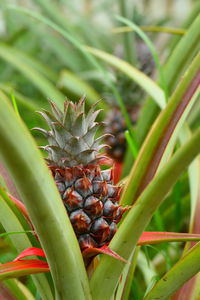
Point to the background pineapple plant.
(88, 193)
(132, 96)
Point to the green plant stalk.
(171, 30)
(165, 128)
(124, 241)
(182, 271)
(14, 232)
(129, 50)
(40, 195)
(14, 102)
(131, 144)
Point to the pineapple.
(132, 96)
(89, 196)
(116, 126)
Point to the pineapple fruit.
(115, 128)
(132, 96)
(89, 196)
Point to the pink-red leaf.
(30, 252)
(90, 252)
(148, 238)
(22, 267)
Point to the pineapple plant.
(132, 96)
(89, 196)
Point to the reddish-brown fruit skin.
(116, 126)
(91, 201)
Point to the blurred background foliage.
(38, 61)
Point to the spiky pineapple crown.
(72, 135)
